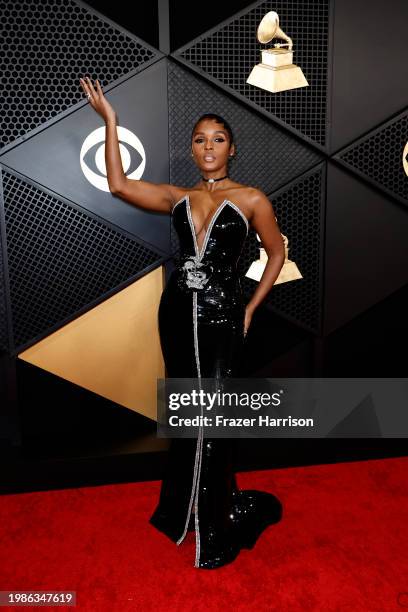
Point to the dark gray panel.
(378, 157)
(45, 46)
(366, 247)
(228, 53)
(52, 157)
(370, 52)
(144, 25)
(61, 260)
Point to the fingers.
(89, 89)
(98, 87)
(85, 88)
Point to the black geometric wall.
(59, 256)
(284, 147)
(354, 78)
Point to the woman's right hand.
(98, 100)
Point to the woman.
(203, 322)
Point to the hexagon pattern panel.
(46, 45)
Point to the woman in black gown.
(203, 321)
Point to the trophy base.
(276, 79)
(289, 272)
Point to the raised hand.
(97, 99)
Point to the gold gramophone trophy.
(289, 270)
(276, 71)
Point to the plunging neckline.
(200, 251)
(186, 199)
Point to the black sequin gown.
(201, 324)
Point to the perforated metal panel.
(46, 45)
(229, 52)
(378, 157)
(300, 213)
(60, 258)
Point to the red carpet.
(342, 545)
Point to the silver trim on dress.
(199, 254)
(239, 211)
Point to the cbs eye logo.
(93, 152)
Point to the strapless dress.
(201, 324)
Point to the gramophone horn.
(269, 29)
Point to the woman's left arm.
(264, 223)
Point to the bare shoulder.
(257, 197)
(251, 200)
(263, 220)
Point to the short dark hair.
(218, 119)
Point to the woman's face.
(210, 145)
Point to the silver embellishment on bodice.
(197, 274)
